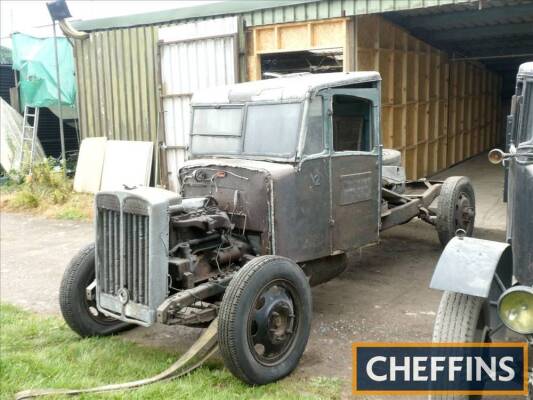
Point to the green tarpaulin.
(34, 58)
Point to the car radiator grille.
(129, 242)
(132, 253)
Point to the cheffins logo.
(440, 368)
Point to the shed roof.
(497, 33)
(287, 88)
(183, 13)
(264, 12)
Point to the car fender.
(467, 265)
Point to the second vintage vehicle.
(285, 176)
(488, 285)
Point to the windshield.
(270, 130)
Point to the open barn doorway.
(313, 61)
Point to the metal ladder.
(29, 134)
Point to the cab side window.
(351, 122)
(314, 140)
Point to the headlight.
(515, 308)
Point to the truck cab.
(292, 157)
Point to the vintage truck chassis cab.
(284, 177)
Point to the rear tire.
(79, 313)
(456, 208)
(460, 318)
(265, 320)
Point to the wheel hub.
(272, 323)
(464, 212)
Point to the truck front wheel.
(79, 312)
(461, 318)
(265, 320)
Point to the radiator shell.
(132, 252)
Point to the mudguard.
(467, 265)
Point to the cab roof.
(294, 87)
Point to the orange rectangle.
(522, 345)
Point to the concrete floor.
(383, 296)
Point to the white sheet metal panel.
(90, 165)
(194, 56)
(126, 163)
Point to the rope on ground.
(203, 348)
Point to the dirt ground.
(383, 296)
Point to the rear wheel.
(80, 313)
(265, 320)
(456, 208)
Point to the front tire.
(460, 318)
(265, 320)
(80, 313)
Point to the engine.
(202, 243)
(152, 245)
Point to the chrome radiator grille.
(131, 253)
(136, 252)
(130, 243)
(109, 234)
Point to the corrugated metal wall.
(194, 56)
(117, 94)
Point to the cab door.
(353, 125)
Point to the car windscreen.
(272, 129)
(269, 130)
(217, 130)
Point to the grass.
(42, 352)
(46, 192)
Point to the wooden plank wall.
(474, 117)
(437, 112)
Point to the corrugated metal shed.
(265, 12)
(117, 66)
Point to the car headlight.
(515, 308)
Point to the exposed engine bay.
(204, 246)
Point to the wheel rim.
(273, 322)
(464, 212)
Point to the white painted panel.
(90, 164)
(126, 163)
(194, 56)
(199, 29)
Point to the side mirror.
(496, 156)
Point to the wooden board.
(309, 35)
